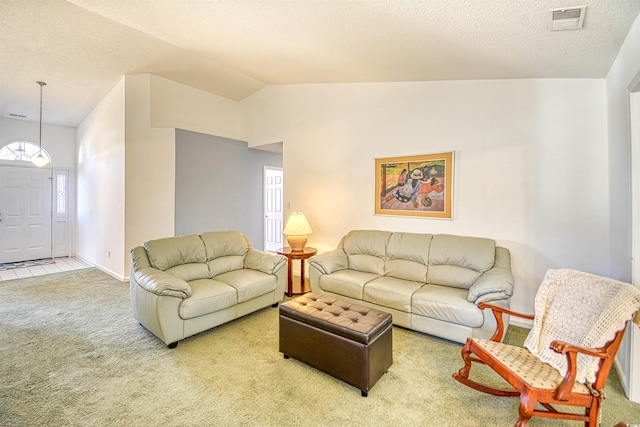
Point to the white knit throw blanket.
(581, 309)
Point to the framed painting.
(415, 186)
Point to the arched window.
(22, 151)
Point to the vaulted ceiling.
(233, 48)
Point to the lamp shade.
(296, 230)
(40, 160)
(297, 225)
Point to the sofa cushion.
(391, 292)
(248, 283)
(447, 304)
(349, 283)
(224, 264)
(207, 296)
(408, 256)
(366, 250)
(225, 251)
(189, 272)
(265, 262)
(458, 261)
(171, 251)
(224, 243)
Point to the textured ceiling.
(233, 48)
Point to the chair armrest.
(498, 312)
(330, 262)
(264, 261)
(563, 347)
(496, 283)
(570, 351)
(161, 283)
(499, 309)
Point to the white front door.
(273, 216)
(25, 214)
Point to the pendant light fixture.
(40, 160)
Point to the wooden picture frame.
(419, 186)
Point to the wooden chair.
(564, 362)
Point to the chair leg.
(592, 413)
(527, 405)
(463, 376)
(466, 356)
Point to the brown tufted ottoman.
(348, 341)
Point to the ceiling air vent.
(567, 18)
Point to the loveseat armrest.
(496, 283)
(330, 262)
(161, 283)
(264, 261)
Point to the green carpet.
(73, 355)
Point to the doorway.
(25, 214)
(273, 215)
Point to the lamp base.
(297, 242)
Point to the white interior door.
(273, 216)
(25, 214)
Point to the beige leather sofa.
(429, 283)
(180, 286)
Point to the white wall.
(101, 176)
(155, 107)
(623, 77)
(150, 170)
(531, 168)
(127, 155)
(175, 105)
(58, 141)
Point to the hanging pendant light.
(40, 160)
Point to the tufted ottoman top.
(358, 323)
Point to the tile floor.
(61, 264)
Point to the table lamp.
(296, 230)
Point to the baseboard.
(104, 270)
(628, 378)
(112, 273)
(622, 376)
(522, 323)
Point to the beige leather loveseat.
(429, 283)
(181, 286)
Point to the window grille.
(61, 194)
(22, 151)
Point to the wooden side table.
(307, 252)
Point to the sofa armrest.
(264, 261)
(496, 283)
(139, 258)
(330, 262)
(161, 283)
